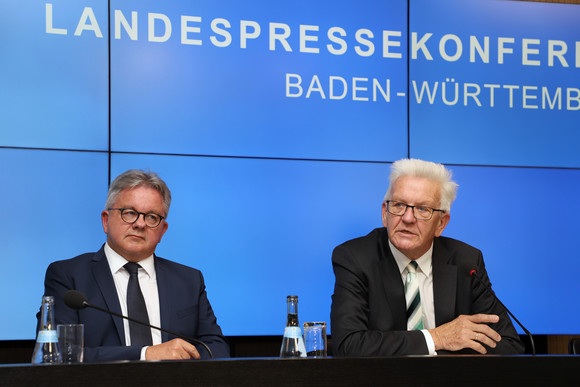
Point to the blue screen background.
(265, 185)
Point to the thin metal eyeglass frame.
(412, 209)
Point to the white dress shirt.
(425, 277)
(148, 284)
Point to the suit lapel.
(444, 284)
(393, 285)
(165, 296)
(106, 284)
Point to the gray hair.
(134, 178)
(428, 170)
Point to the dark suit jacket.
(183, 303)
(368, 314)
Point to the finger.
(469, 341)
(485, 340)
(486, 336)
(484, 318)
(192, 351)
(486, 331)
(478, 347)
(182, 349)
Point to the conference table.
(469, 370)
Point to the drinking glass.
(71, 341)
(315, 338)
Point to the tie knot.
(132, 267)
(412, 267)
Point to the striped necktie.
(413, 298)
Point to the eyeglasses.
(129, 215)
(419, 212)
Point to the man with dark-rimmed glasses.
(404, 289)
(126, 277)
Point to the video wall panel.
(52, 204)
(522, 221)
(207, 77)
(54, 83)
(495, 82)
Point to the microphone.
(77, 300)
(473, 273)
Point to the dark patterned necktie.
(136, 309)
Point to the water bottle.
(292, 342)
(47, 350)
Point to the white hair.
(428, 170)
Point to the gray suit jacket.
(368, 314)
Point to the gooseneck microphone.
(473, 273)
(77, 300)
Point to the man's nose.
(408, 215)
(140, 222)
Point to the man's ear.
(105, 221)
(165, 227)
(385, 213)
(443, 222)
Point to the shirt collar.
(424, 261)
(116, 262)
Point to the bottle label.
(293, 332)
(47, 337)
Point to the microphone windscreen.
(75, 299)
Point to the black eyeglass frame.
(161, 218)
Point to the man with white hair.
(404, 289)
